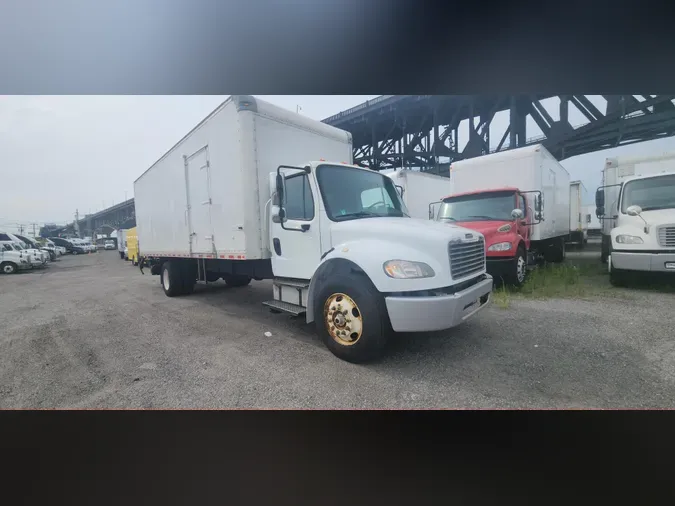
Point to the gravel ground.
(91, 331)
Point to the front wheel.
(172, 279)
(351, 319)
(8, 268)
(519, 268)
(617, 277)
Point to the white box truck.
(238, 199)
(121, 242)
(519, 200)
(578, 218)
(636, 205)
(421, 192)
(594, 225)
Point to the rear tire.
(171, 279)
(556, 251)
(361, 334)
(8, 268)
(237, 281)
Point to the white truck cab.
(637, 210)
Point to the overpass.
(418, 131)
(422, 131)
(122, 215)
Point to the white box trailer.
(238, 198)
(578, 219)
(519, 200)
(419, 190)
(636, 205)
(121, 242)
(594, 225)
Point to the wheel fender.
(367, 258)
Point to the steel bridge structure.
(422, 131)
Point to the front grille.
(667, 237)
(466, 258)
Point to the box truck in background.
(594, 224)
(121, 242)
(519, 200)
(636, 205)
(578, 218)
(421, 192)
(239, 198)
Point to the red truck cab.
(504, 218)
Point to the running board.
(286, 307)
(291, 282)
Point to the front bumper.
(637, 261)
(423, 314)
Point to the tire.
(356, 292)
(172, 279)
(518, 273)
(237, 281)
(556, 252)
(188, 278)
(8, 268)
(74, 252)
(617, 277)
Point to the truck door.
(198, 187)
(297, 253)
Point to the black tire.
(556, 251)
(171, 279)
(371, 312)
(518, 269)
(604, 249)
(236, 281)
(617, 277)
(8, 268)
(189, 278)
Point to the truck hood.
(487, 228)
(417, 233)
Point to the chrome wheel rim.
(165, 279)
(520, 269)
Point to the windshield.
(493, 206)
(650, 194)
(350, 193)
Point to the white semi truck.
(578, 218)
(421, 192)
(237, 198)
(636, 205)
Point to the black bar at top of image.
(340, 457)
(334, 47)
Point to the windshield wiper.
(358, 214)
(482, 217)
(448, 218)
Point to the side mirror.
(399, 189)
(517, 214)
(600, 198)
(280, 189)
(634, 211)
(599, 211)
(588, 218)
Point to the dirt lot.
(91, 331)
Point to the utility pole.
(77, 223)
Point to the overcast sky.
(62, 153)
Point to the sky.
(60, 154)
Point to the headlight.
(504, 228)
(403, 269)
(629, 239)
(500, 246)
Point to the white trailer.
(237, 199)
(578, 219)
(636, 205)
(594, 224)
(421, 192)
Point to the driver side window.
(522, 204)
(299, 203)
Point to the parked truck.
(636, 205)
(419, 189)
(239, 198)
(131, 251)
(578, 218)
(121, 242)
(519, 200)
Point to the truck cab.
(503, 217)
(641, 219)
(13, 259)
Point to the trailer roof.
(477, 192)
(509, 154)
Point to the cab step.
(292, 282)
(285, 307)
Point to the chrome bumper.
(652, 262)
